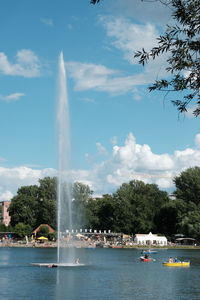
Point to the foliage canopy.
(181, 42)
(188, 185)
(35, 205)
(136, 207)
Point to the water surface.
(107, 274)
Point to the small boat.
(177, 264)
(149, 251)
(146, 259)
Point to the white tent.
(150, 239)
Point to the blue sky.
(119, 131)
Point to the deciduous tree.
(136, 205)
(22, 229)
(188, 185)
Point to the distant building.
(186, 241)
(4, 214)
(150, 239)
(172, 197)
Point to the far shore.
(54, 245)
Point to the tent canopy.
(150, 238)
(42, 238)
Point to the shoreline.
(54, 245)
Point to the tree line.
(135, 207)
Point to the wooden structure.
(51, 230)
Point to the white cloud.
(129, 37)
(6, 196)
(130, 161)
(13, 178)
(153, 11)
(100, 78)
(89, 76)
(197, 140)
(48, 22)
(113, 140)
(12, 97)
(134, 161)
(137, 156)
(101, 149)
(27, 64)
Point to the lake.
(108, 274)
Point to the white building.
(150, 239)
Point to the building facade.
(4, 214)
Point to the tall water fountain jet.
(65, 254)
(64, 195)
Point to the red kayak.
(142, 258)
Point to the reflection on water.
(108, 274)
(64, 286)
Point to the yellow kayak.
(177, 264)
